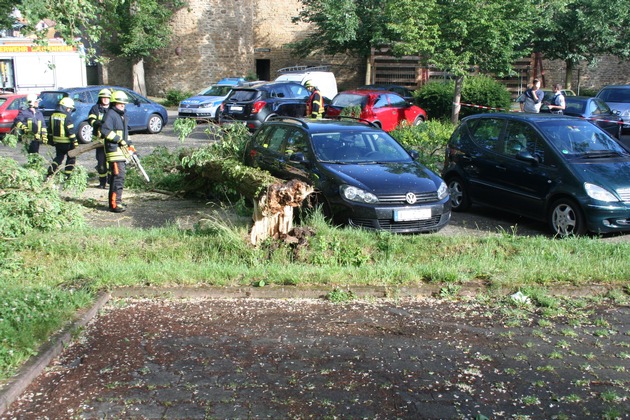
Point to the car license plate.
(412, 214)
(236, 108)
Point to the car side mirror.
(297, 158)
(526, 156)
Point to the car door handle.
(501, 168)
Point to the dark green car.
(561, 169)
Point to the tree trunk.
(569, 73)
(138, 77)
(457, 96)
(274, 199)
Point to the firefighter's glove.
(75, 144)
(132, 149)
(45, 139)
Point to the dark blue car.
(362, 176)
(142, 114)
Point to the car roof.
(616, 87)
(521, 116)
(326, 125)
(266, 85)
(12, 95)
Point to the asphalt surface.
(408, 358)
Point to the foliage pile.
(428, 139)
(27, 203)
(436, 97)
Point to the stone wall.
(608, 70)
(213, 39)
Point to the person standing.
(315, 103)
(95, 119)
(558, 104)
(31, 125)
(64, 137)
(115, 132)
(533, 98)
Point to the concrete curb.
(53, 348)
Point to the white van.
(320, 76)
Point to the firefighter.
(30, 124)
(117, 145)
(315, 103)
(95, 119)
(63, 136)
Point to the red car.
(10, 105)
(387, 109)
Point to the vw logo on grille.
(410, 198)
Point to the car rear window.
(49, 100)
(243, 95)
(344, 100)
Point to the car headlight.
(442, 191)
(598, 193)
(357, 194)
(208, 105)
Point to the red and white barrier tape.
(512, 110)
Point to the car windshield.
(216, 91)
(581, 139)
(358, 147)
(342, 101)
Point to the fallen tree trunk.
(273, 198)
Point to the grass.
(45, 277)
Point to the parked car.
(254, 105)
(10, 106)
(557, 168)
(403, 91)
(205, 104)
(142, 114)
(596, 111)
(320, 76)
(386, 109)
(618, 99)
(362, 176)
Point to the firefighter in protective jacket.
(116, 134)
(95, 119)
(315, 103)
(64, 137)
(30, 124)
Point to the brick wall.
(608, 70)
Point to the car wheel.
(84, 133)
(460, 199)
(155, 124)
(419, 120)
(566, 219)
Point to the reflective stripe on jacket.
(114, 130)
(31, 124)
(61, 127)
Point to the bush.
(175, 96)
(437, 97)
(428, 139)
(484, 90)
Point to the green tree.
(135, 29)
(582, 30)
(341, 26)
(456, 35)
(129, 28)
